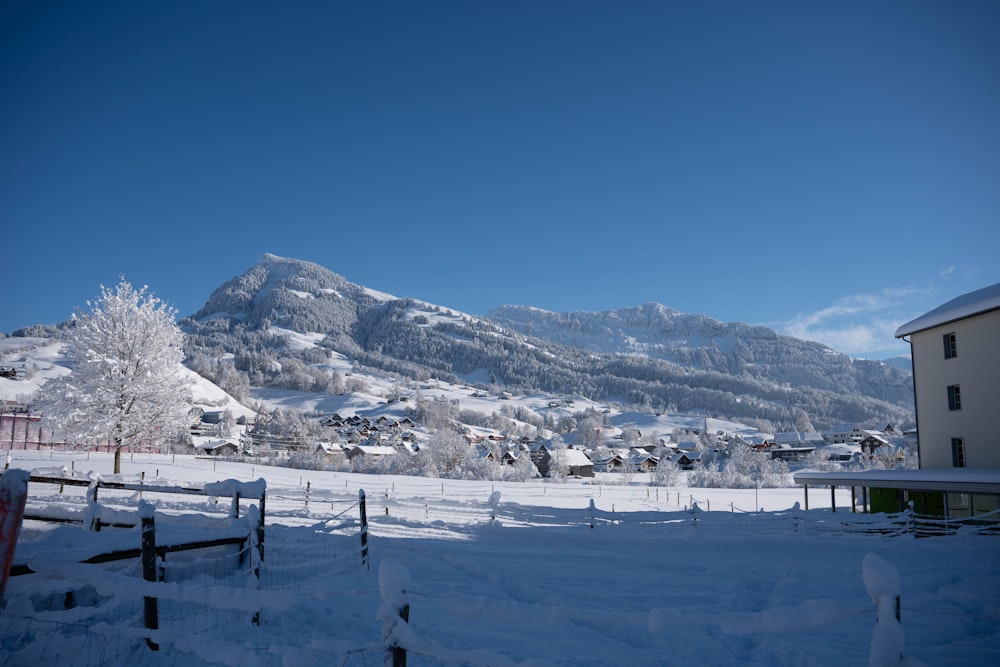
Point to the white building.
(956, 380)
(956, 384)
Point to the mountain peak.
(647, 354)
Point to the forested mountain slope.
(283, 319)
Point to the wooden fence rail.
(230, 488)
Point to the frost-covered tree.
(127, 386)
(558, 463)
(447, 455)
(745, 468)
(802, 422)
(588, 431)
(226, 425)
(666, 473)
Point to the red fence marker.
(13, 493)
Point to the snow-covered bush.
(745, 468)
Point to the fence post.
(398, 653)
(393, 580)
(13, 494)
(150, 615)
(260, 546)
(364, 529)
(883, 586)
(92, 517)
(260, 527)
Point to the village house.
(796, 439)
(871, 442)
(686, 460)
(610, 462)
(369, 451)
(755, 442)
(640, 460)
(576, 460)
(844, 434)
(215, 447)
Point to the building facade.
(956, 378)
(956, 385)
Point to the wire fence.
(89, 603)
(693, 515)
(94, 614)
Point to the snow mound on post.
(882, 584)
(146, 510)
(231, 487)
(880, 577)
(393, 580)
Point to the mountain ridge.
(650, 356)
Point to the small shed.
(216, 447)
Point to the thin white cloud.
(947, 271)
(861, 324)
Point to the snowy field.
(585, 572)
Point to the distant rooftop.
(967, 305)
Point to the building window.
(954, 397)
(958, 452)
(958, 501)
(950, 346)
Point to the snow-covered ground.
(514, 574)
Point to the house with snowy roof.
(576, 460)
(872, 441)
(758, 442)
(686, 460)
(641, 460)
(370, 451)
(956, 382)
(216, 446)
(610, 462)
(844, 433)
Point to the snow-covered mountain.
(702, 343)
(902, 363)
(283, 321)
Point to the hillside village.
(374, 430)
(361, 443)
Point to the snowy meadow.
(583, 572)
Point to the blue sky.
(830, 170)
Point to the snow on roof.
(576, 457)
(967, 305)
(210, 444)
(841, 448)
(960, 480)
(374, 450)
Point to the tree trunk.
(118, 459)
